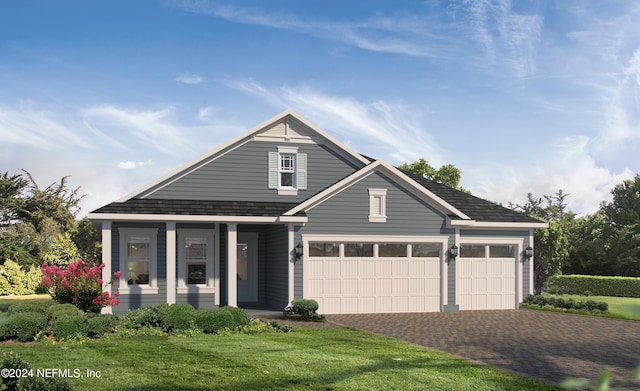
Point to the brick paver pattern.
(545, 345)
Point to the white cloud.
(128, 165)
(386, 130)
(189, 78)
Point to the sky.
(521, 96)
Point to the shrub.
(212, 321)
(101, 324)
(16, 281)
(153, 316)
(55, 311)
(240, 316)
(29, 382)
(180, 317)
(570, 304)
(79, 284)
(304, 309)
(70, 326)
(595, 285)
(29, 306)
(23, 326)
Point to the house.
(286, 211)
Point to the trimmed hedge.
(569, 304)
(30, 306)
(23, 326)
(212, 321)
(240, 316)
(180, 317)
(576, 284)
(69, 326)
(101, 324)
(55, 311)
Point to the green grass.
(619, 307)
(335, 359)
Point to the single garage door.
(373, 277)
(487, 277)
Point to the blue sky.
(523, 97)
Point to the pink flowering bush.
(79, 284)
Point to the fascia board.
(494, 224)
(197, 218)
(213, 154)
(388, 169)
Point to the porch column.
(171, 262)
(292, 260)
(232, 264)
(106, 259)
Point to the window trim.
(125, 234)
(299, 180)
(378, 196)
(208, 287)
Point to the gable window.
(195, 260)
(377, 205)
(138, 259)
(287, 170)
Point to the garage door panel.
(373, 284)
(486, 283)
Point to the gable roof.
(265, 130)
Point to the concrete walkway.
(545, 345)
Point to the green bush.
(30, 382)
(569, 304)
(69, 326)
(180, 317)
(304, 309)
(23, 326)
(55, 311)
(212, 321)
(240, 316)
(101, 324)
(153, 316)
(594, 285)
(30, 306)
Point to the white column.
(292, 259)
(106, 259)
(171, 262)
(232, 264)
(531, 287)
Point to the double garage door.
(373, 277)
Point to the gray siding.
(242, 174)
(348, 212)
(131, 301)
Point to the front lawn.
(334, 359)
(619, 307)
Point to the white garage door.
(373, 277)
(487, 277)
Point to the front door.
(247, 251)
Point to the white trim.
(232, 264)
(197, 218)
(488, 224)
(287, 150)
(531, 270)
(374, 238)
(379, 165)
(378, 196)
(216, 264)
(106, 261)
(292, 260)
(171, 262)
(232, 144)
(210, 285)
(152, 287)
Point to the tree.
(11, 201)
(87, 240)
(62, 251)
(447, 174)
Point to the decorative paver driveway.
(546, 345)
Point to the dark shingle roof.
(192, 207)
(476, 208)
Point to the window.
(319, 249)
(426, 250)
(392, 250)
(377, 205)
(358, 250)
(138, 249)
(502, 251)
(195, 260)
(287, 170)
(472, 250)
